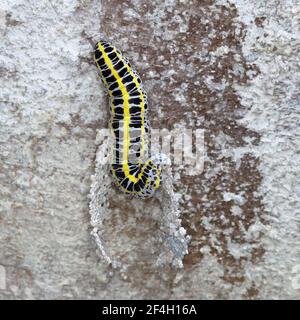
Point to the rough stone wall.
(229, 67)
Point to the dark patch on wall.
(190, 53)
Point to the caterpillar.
(133, 170)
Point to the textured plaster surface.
(228, 67)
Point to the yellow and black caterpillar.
(133, 170)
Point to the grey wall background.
(230, 67)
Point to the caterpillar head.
(140, 180)
(152, 178)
